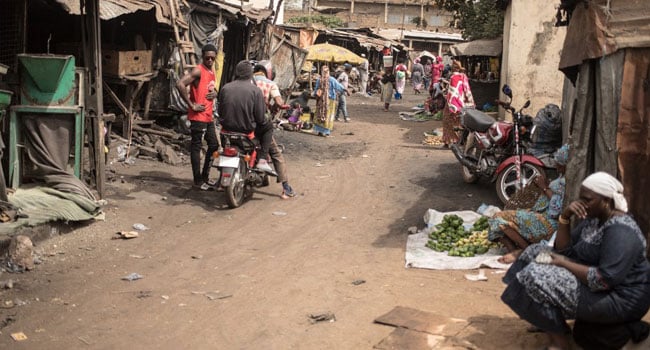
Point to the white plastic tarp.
(418, 255)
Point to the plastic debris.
(19, 336)
(279, 213)
(326, 316)
(478, 277)
(132, 277)
(126, 235)
(140, 227)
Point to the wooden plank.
(422, 321)
(402, 338)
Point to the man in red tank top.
(200, 113)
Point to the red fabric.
(198, 95)
(436, 72)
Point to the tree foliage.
(328, 21)
(477, 19)
(416, 21)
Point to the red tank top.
(198, 93)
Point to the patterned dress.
(326, 104)
(459, 96)
(535, 224)
(618, 280)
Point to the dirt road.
(215, 278)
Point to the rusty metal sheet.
(109, 9)
(287, 60)
(483, 47)
(601, 27)
(633, 134)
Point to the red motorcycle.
(236, 164)
(496, 149)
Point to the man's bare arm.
(187, 79)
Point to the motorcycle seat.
(246, 141)
(476, 120)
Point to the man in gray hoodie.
(241, 109)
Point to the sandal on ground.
(287, 192)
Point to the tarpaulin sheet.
(44, 204)
(49, 141)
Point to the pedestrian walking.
(363, 72)
(342, 107)
(417, 74)
(325, 92)
(459, 96)
(388, 85)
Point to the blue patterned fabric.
(535, 224)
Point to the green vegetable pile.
(450, 236)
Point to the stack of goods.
(450, 236)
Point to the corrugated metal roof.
(256, 14)
(483, 47)
(364, 40)
(397, 34)
(109, 9)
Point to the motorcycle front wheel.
(506, 185)
(236, 192)
(470, 150)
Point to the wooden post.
(94, 104)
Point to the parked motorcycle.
(496, 149)
(236, 164)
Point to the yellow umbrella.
(332, 53)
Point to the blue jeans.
(342, 107)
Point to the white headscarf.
(608, 186)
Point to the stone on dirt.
(20, 253)
(167, 153)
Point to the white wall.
(531, 54)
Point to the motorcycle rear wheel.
(236, 192)
(506, 184)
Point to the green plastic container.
(5, 98)
(47, 80)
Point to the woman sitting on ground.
(516, 229)
(597, 273)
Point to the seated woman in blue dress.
(597, 274)
(516, 229)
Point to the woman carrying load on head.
(417, 76)
(388, 84)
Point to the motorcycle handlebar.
(505, 105)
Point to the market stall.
(482, 60)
